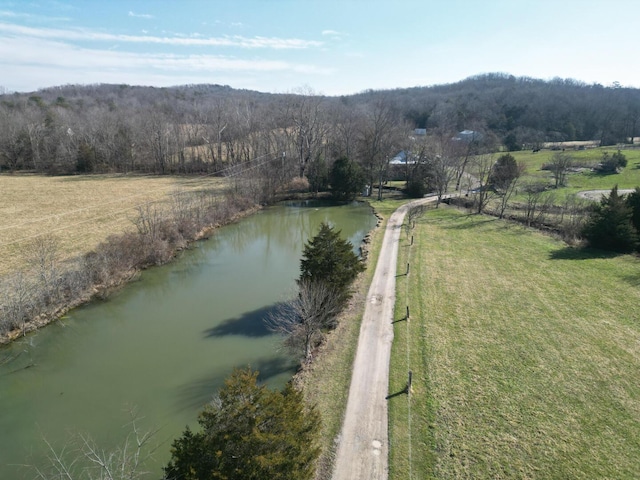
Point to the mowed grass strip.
(525, 355)
(81, 211)
(327, 379)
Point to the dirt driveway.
(598, 194)
(363, 447)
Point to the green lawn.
(525, 355)
(629, 177)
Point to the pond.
(161, 347)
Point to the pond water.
(161, 346)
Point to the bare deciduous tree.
(508, 187)
(412, 215)
(537, 200)
(17, 301)
(149, 220)
(560, 164)
(482, 173)
(304, 112)
(443, 165)
(303, 319)
(43, 256)
(574, 216)
(86, 460)
(379, 139)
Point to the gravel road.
(596, 195)
(363, 446)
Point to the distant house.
(467, 136)
(420, 131)
(399, 159)
(398, 165)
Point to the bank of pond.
(161, 347)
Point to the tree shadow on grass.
(250, 324)
(572, 253)
(633, 280)
(201, 391)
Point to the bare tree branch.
(303, 319)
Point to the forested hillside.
(208, 128)
(528, 109)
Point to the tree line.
(186, 130)
(205, 128)
(522, 111)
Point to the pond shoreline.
(166, 342)
(103, 291)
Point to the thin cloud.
(226, 41)
(29, 16)
(333, 34)
(19, 53)
(140, 15)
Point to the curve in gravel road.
(363, 445)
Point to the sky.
(329, 47)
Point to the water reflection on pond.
(165, 343)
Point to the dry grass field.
(80, 211)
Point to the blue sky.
(332, 47)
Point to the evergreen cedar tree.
(610, 225)
(346, 179)
(611, 164)
(503, 172)
(633, 200)
(330, 259)
(249, 433)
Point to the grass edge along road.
(327, 380)
(524, 354)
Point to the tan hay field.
(81, 211)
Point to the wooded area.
(211, 128)
(264, 144)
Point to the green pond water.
(162, 345)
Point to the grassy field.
(81, 211)
(629, 177)
(525, 356)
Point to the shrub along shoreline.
(32, 299)
(325, 381)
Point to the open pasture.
(525, 355)
(80, 211)
(584, 179)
